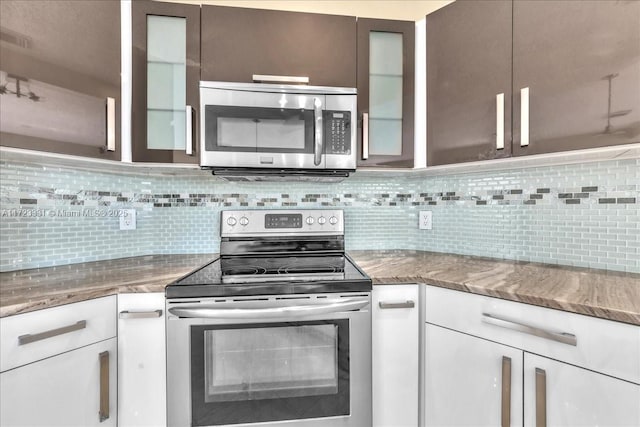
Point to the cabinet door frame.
(140, 9)
(408, 30)
(72, 80)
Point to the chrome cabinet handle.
(541, 398)
(365, 136)
(280, 79)
(406, 304)
(500, 121)
(563, 337)
(506, 392)
(188, 140)
(111, 124)
(317, 148)
(29, 338)
(103, 413)
(524, 116)
(204, 312)
(126, 314)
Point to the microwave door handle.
(203, 312)
(317, 147)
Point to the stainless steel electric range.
(276, 331)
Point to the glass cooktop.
(272, 275)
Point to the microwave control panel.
(337, 132)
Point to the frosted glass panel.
(385, 137)
(163, 92)
(165, 130)
(385, 97)
(385, 94)
(166, 39)
(166, 82)
(385, 53)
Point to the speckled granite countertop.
(606, 294)
(600, 293)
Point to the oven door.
(262, 129)
(243, 362)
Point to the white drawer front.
(29, 337)
(604, 346)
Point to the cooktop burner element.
(276, 252)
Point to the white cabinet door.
(141, 360)
(467, 378)
(395, 341)
(64, 390)
(573, 396)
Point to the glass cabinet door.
(60, 76)
(386, 92)
(166, 64)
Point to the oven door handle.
(204, 312)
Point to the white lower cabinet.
(395, 340)
(141, 360)
(558, 365)
(470, 381)
(60, 366)
(559, 394)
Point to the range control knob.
(232, 221)
(333, 220)
(244, 221)
(322, 220)
(309, 220)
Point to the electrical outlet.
(128, 219)
(425, 220)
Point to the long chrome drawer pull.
(111, 124)
(280, 79)
(524, 116)
(541, 398)
(500, 121)
(407, 304)
(365, 136)
(563, 337)
(103, 413)
(29, 338)
(126, 314)
(506, 392)
(265, 313)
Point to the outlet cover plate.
(127, 219)
(425, 220)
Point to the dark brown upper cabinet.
(580, 64)
(238, 43)
(386, 51)
(468, 79)
(166, 80)
(573, 66)
(60, 76)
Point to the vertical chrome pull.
(524, 116)
(188, 140)
(500, 121)
(317, 148)
(505, 415)
(541, 398)
(103, 414)
(111, 124)
(365, 136)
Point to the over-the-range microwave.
(254, 131)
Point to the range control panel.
(271, 222)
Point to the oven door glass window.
(259, 129)
(269, 372)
